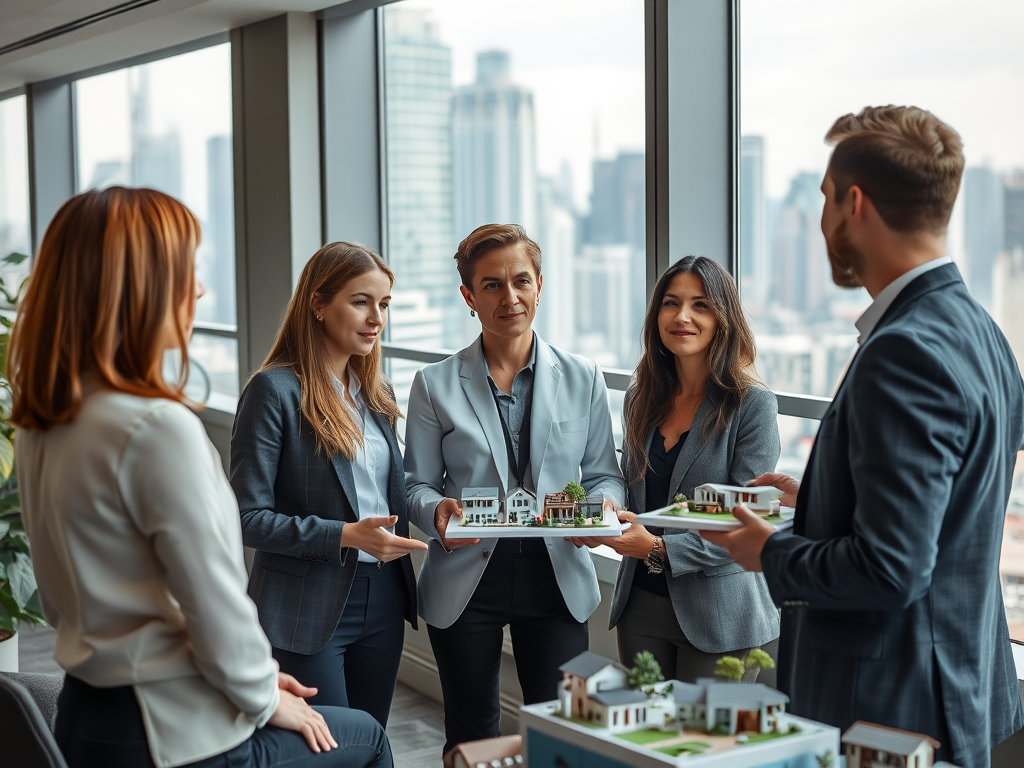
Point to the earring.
(319, 318)
(472, 313)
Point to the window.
(167, 125)
(484, 106)
(963, 68)
(14, 221)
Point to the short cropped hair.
(906, 160)
(491, 237)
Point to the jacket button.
(486, 553)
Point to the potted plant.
(19, 599)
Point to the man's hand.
(371, 536)
(444, 511)
(745, 545)
(789, 487)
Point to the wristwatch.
(655, 560)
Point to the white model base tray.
(611, 528)
(695, 522)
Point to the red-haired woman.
(132, 522)
(318, 474)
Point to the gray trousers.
(648, 623)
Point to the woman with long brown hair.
(318, 474)
(694, 413)
(133, 525)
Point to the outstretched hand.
(371, 536)
(789, 487)
(745, 544)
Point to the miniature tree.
(756, 661)
(575, 492)
(578, 520)
(729, 668)
(645, 673)
(825, 759)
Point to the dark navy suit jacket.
(899, 521)
(294, 502)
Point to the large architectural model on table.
(599, 721)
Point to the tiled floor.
(415, 728)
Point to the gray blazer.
(719, 606)
(454, 440)
(895, 544)
(294, 503)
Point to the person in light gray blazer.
(693, 414)
(317, 470)
(508, 389)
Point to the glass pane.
(167, 125)
(962, 67)
(797, 437)
(14, 221)
(485, 105)
(214, 363)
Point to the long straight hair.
(115, 272)
(301, 346)
(730, 361)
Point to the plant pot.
(9, 654)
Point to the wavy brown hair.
(112, 286)
(730, 361)
(300, 345)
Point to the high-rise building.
(156, 158)
(220, 230)
(607, 330)
(753, 277)
(800, 262)
(494, 148)
(420, 230)
(556, 235)
(617, 211)
(1013, 212)
(983, 229)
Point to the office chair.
(24, 733)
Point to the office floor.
(415, 728)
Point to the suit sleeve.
(755, 452)
(424, 460)
(599, 469)
(908, 432)
(257, 439)
(173, 487)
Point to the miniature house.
(559, 507)
(742, 707)
(871, 746)
(520, 506)
(761, 499)
(480, 505)
(592, 508)
(594, 689)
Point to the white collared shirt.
(371, 467)
(866, 322)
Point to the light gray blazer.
(454, 440)
(719, 606)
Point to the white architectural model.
(760, 499)
(870, 744)
(520, 506)
(480, 506)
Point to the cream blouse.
(138, 554)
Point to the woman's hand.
(294, 714)
(636, 541)
(444, 511)
(370, 535)
(784, 483)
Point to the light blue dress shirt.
(371, 467)
(866, 322)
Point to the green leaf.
(4, 528)
(8, 612)
(22, 579)
(14, 258)
(6, 457)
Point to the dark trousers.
(358, 668)
(103, 728)
(517, 589)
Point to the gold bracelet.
(655, 560)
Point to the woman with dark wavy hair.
(695, 413)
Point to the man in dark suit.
(895, 547)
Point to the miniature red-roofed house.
(870, 746)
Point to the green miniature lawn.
(725, 518)
(694, 747)
(644, 737)
(754, 738)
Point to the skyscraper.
(617, 211)
(1013, 208)
(156, 158)
(420, 229)
(556, 234)
(753, 275)
(983, 229)
(800, 264)
(494, 148)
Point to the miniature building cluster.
(594, 690)
(481, 506)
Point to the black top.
(656, 487)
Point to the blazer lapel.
(547, 376)
(638, 490)
(478, 391)
(343, 468)
(690, 451)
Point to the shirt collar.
(355, 387)
(866, 322)
(529, 366)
